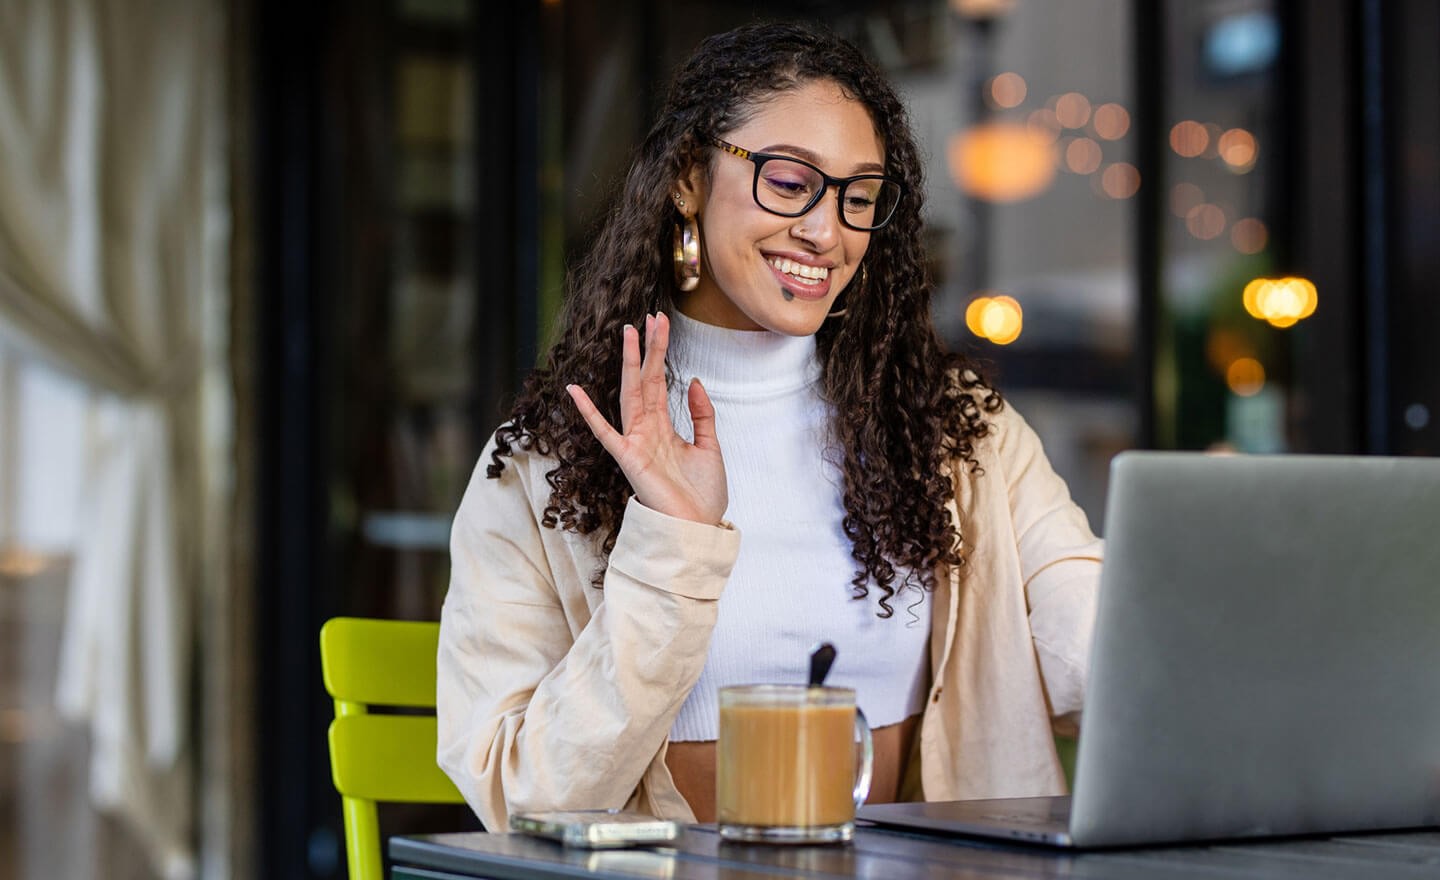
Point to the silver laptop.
(1266, 658)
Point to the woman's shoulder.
(512, 460)
(507, 494)
(1006, 434)
(963, 378)
(991, 409)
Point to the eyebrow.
(813, 159)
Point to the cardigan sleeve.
(1059, 560)
(543, 702)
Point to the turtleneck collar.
(740, 360)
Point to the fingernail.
(629, 327)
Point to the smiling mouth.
(810, 275)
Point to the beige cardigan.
(555, 695)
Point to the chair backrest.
(376, 757)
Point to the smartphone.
(596, 829)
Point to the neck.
(728, 360)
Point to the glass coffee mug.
(788, 768)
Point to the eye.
(861, 195)
(788, 180)
(788, 184)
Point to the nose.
(820, 226)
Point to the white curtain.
(113, 241)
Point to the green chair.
(1068, 748)
(378, 757)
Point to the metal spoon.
(821, 658)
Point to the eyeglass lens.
(792, 188)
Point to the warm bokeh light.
(1002, 320)
(1205, 221)
(1001, 162)
(17, 562)
(996, 318)
(1281, 302)
(1251, 296)
(972, 315)
(981, 9)
(1007, 90)
(1120, 180)
(1184, 197)
(1082, 155)
(1072, 109)
(1245, 376)
(1223, 346)
(1043, 125)
(1249, 235)
(1238, 150)
(1110, 121)
(1189, 138)
(1309, 294)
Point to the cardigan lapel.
(987, 733)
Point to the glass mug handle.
(867, 758)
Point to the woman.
(791, 388)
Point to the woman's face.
(761, 271)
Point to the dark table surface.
(890, 855)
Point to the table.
(893, 855)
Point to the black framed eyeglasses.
(790, 187)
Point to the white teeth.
(812, 274)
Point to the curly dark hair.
(904, 408)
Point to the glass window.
(1026, 111)
(1223, 342)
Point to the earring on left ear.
(687, 254)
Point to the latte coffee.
(786, 763)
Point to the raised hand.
(668, 474)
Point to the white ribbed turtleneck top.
(790, 586)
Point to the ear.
(692, 186)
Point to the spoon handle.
(821, 658)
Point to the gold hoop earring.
(687, 254)
(864, 278)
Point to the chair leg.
(362, 839)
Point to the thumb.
(702, 416)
